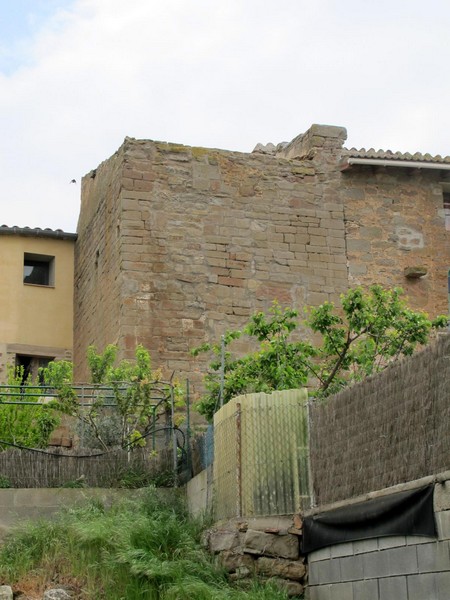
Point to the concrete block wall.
(400, 567)
(199, 493)
(18, 505)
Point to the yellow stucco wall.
(33, 315)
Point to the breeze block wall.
(401, 567)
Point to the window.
(31, 366)
(38, 269)
(446, 196)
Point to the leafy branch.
(369, 330)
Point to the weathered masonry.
(177, 244)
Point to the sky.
(77, 76)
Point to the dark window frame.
(42, 269)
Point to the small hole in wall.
(97, 254)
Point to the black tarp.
(403, 513)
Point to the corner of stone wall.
(317, 139)
(265, 547)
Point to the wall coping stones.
(440, 478)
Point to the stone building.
(176, 244)
(36, 297)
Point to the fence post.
(174, 438)
(188, 429)
(238, 461)
(312, 497)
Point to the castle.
(177, 244)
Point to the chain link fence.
(261, 460)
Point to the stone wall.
(98, 286)
(393, 221)
(178, 244)
(268, 547)
(18, 505)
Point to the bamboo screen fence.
(389, 429)
(27, 469)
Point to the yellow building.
(36, 297)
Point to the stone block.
(365, 546)
(345, 549)
(358, 245)
(393, 541)
(342, 591)
(231, 561)
(393, 588)
(282, 546)
(278, 567)
(223, 539)
(57, 594)
(6, 592)
(442, 496)
(321, 592)
(262, 523)
(402, 561)
(328, 131)
(357, 269)
(352, 568)
(433, 557)
(422, 587)
(376, 564)
(292, 588)
(443, 524)
(365, 590)
(442, 582)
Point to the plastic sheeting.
(403, 513)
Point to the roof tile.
(389, 155)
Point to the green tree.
(368, 331)
(24, 424)
(130, 386)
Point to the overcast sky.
(77, 76)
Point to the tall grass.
(143, 549)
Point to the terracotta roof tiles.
(389, 155)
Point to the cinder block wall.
(397, 567)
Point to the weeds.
(143, 549)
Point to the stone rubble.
(6, 593)
(260, 548)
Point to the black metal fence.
(110, 446)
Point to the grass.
(135, 550)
